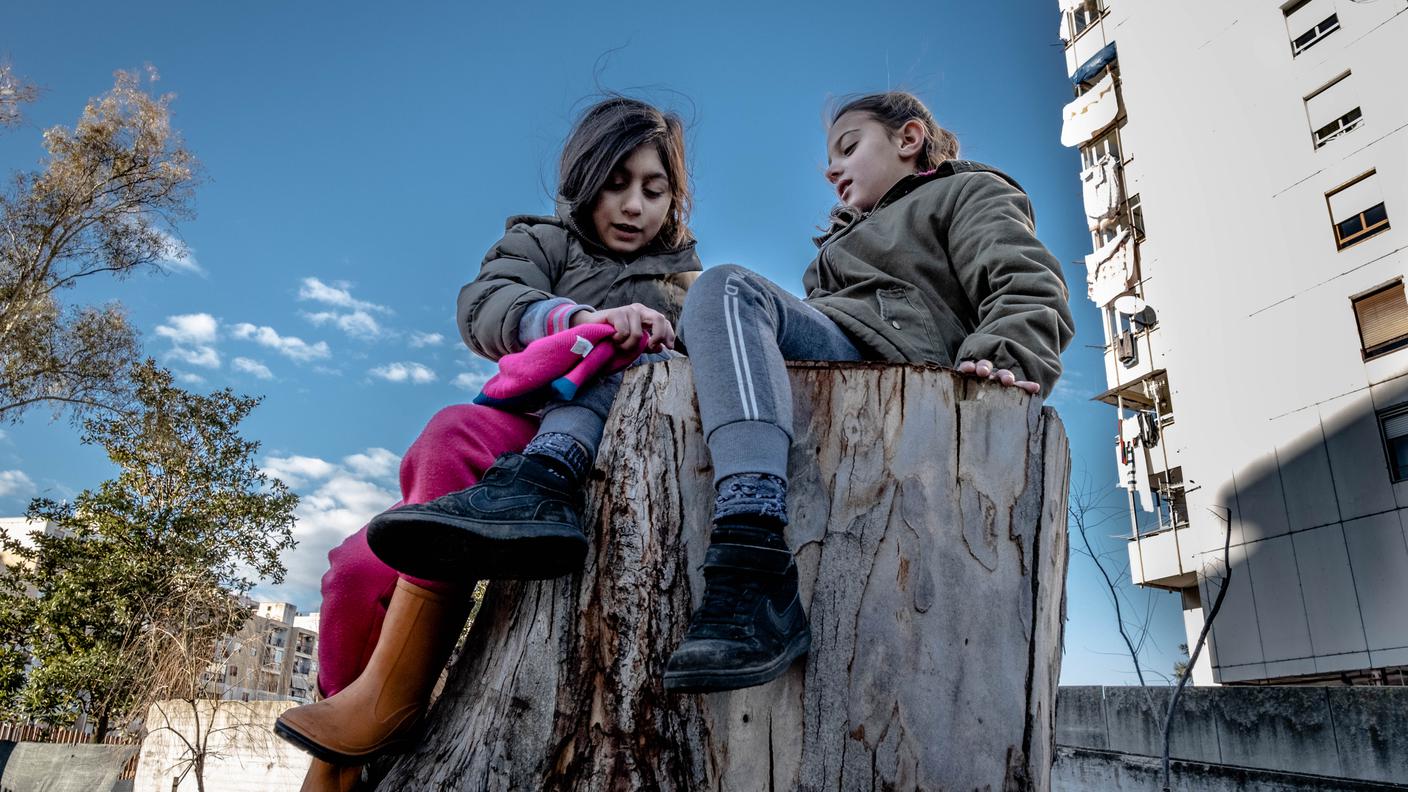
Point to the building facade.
(1245, 178)
(273, 657)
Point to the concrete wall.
(243, 755)
(1282, 735)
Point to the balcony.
(1163, 558)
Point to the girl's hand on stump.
(632, 322)
(983, 369)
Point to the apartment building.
(274, 656)
(1245, 179)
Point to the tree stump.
(928, 518)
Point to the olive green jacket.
(543, 257)
(947, 268)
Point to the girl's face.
(864, 159)
(633, 203)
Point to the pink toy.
(556, 365)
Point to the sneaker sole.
(303, 743)
(440, 548)
(720, 680)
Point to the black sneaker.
(750, 627)
(519, 522)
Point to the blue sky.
(361, 157)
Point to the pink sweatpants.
(455, 448)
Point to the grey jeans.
(741, 328)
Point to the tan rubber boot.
(324, 777)
(380, 710)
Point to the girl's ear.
(911, 138)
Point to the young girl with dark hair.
(472, 506)
(929, 259)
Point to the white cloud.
(336, 500)
(291, 347)
(16, 483)
(190, 329)
(354, 317)
(375, 462)
(338, 295)
(254, 367)
(178, 257)
(192, 338)
(402, 372)
(471, 380)
(205, 357)
(295, 470)
(419, 340)
(187, 378)
(358, 324)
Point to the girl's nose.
(833, 172)
(633, 203)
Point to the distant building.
(20, 529)
(1245, 177)
(272, 657)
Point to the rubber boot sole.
(439, 547)
(723, 679)
(330, 756)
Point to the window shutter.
(1308, 16)
(1396, 426)
(1383, 317)
(1330, 103)
(1355, 198)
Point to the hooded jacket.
(946, 268)
(544, 257)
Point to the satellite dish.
(1129, 304)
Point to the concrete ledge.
(1083, 770)
(1339, 733)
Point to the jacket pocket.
(909, 327)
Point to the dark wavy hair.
(603, 137)
(893, 109)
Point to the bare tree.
(186, 694)
(1222, 584)
(1089, 510)
(14, 92)
(105, 201)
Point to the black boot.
(520, 521)
(751, 625)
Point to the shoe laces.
(729, 598)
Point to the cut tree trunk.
(928, 519)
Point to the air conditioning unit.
(1126, 349)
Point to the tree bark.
(928, 520)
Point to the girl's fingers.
(967, 367)
(1029, 386)
(983, 368)
(1006, 377)
(633, 339)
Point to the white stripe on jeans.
(733, 348)
(743, 353)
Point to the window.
(1084, 15)
(1107, 145)
(1333, 110)
(1310, 21)
(1135, 209)
(1357, 210)
(1172, 500)
(1382, 315)
(1393, 424)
